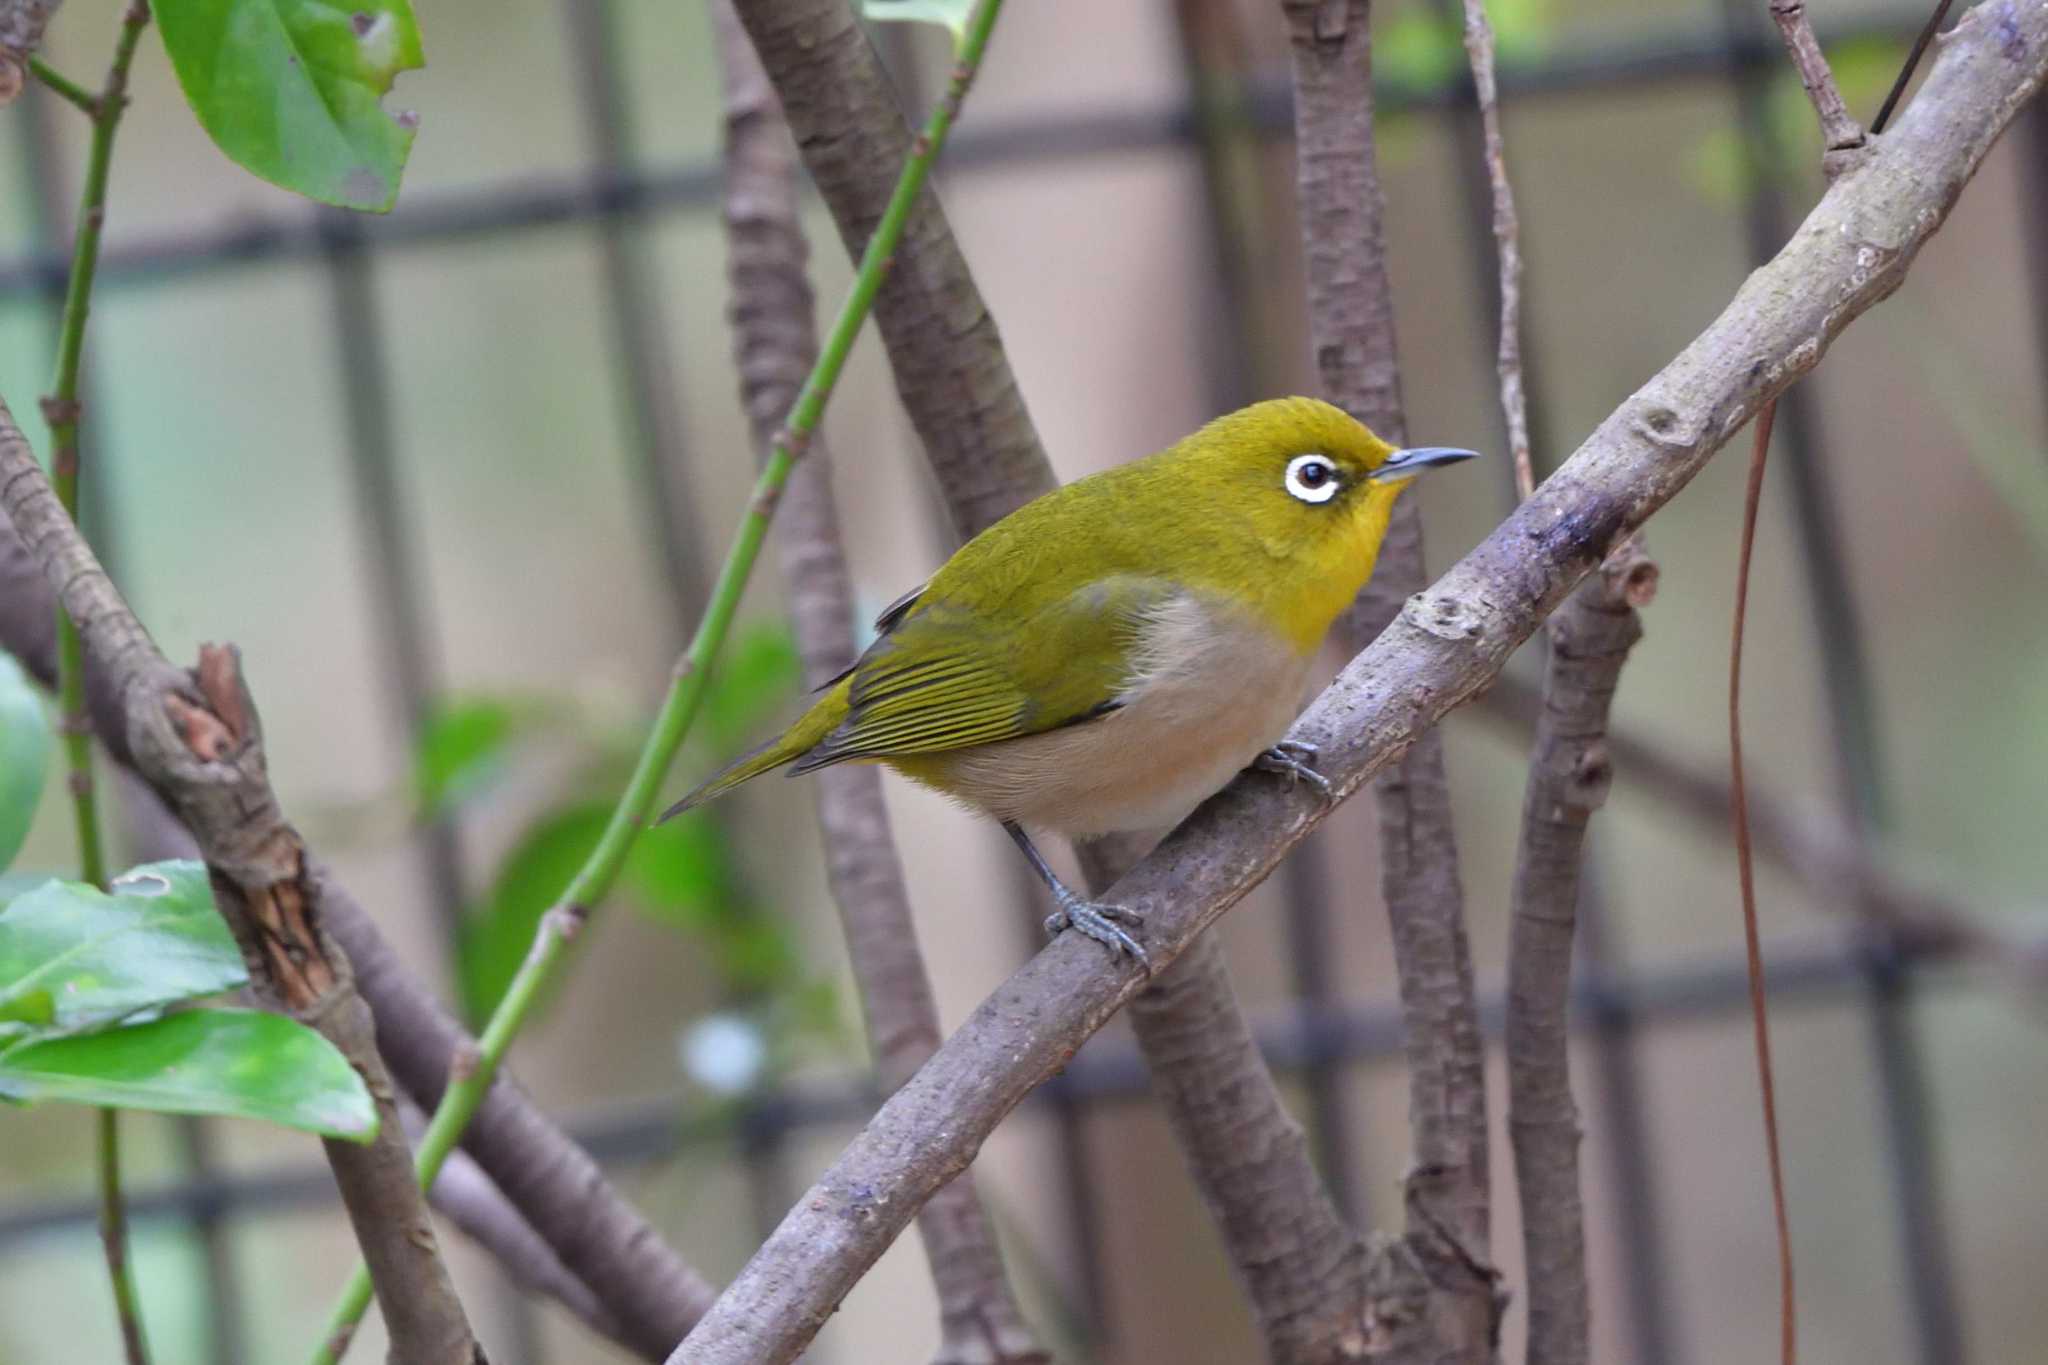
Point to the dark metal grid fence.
(1316, 1040)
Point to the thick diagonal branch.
(1447, 644)
(196, 740)
(1351, 324)
(1570, 771)
(775, 343)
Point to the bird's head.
(1308, 489)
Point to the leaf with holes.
(292, 90)
(237, 1063)
(950, 15)
(24, 756)
(73, 958)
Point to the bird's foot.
(1097, 921)
(1296, 761)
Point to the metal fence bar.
(1809, 975)
(1632, 1156)
(1854, 739)
(399, 600)
(642, 348)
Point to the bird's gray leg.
(1296, 761)
(1092, 918)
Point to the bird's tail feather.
(787, 747)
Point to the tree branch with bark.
(1351, 323)
(775, 344)
(648, 1292)
(956, 384)
(1447, 644)
(1570, 771)
(195, 737)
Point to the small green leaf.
(461, 746)
(73, 958)
(239, 1063)
(950, 15)
(497, 933)
(291, 90)
(1417, 48)
(756, 675)
(680, 870)
(24, 755)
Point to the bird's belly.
(1175, 741)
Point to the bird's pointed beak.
(1404, 464)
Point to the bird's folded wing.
(950, 676)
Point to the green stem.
(61, 410)
(470, 1076)
(64, 87)
(114, 1235)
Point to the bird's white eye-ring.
(1312, 478)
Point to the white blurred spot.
(724, 1053)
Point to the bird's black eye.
(1312, 478)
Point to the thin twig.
(588, 888)
(1351, 324)
(1788, 1329)
(1841, 135)
(1507, 236)
(1852, 252)
(66, 89)
(114, 1237)
(775, 344)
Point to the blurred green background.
(230, 510)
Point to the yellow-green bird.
(1110, 655)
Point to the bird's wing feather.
(947, 677)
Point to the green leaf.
(681, 871)
(950, 15)
(239, 1063)
(756, 675)
(1417, 48)
(290, 90)
(16, 884)
(73, 958)
(497, 933)
(461, 746)
(24, 755)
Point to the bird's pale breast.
(1210, 690)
